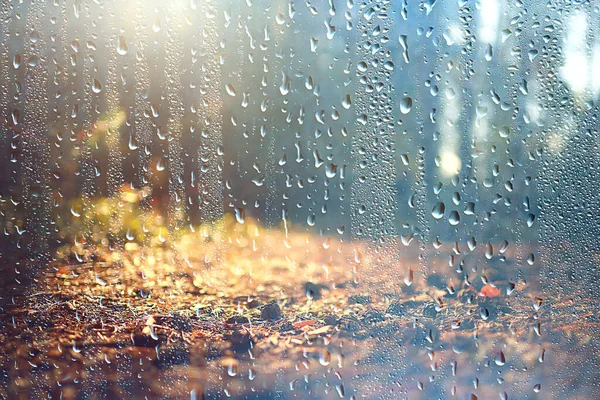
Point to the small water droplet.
(489, 53)
(532, 54)
(240, 214)
(160, 165)
(232, 370)
(325, 358)
(409, 278)
(284, 88)
(230, 90)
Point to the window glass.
(287, 199)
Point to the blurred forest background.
(468, 122)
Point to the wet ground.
(259, 314)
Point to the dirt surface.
(245, 312)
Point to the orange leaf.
(302, 324)
(489, 291)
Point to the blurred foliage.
(104, 227)
(109, 223)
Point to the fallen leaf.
(301, 324)
(489, 291)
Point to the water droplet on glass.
(230, 90)
(347, 102)
(122, 47)
(239, 215)
(500, 359)
(406, 105)
(96, 86)
(489, 52)
(438, 210)
(284, 88)
(454, 218)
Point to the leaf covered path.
(245, 312)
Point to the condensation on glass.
(299, 199)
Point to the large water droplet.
(284, 88)
(438, 210)
(454, 218)
(96, 86)
(347, 102)
(406, 105)
(122, 47)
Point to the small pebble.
(270, 311)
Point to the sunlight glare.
(575, 70)
(489, 16)
(450, 163)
